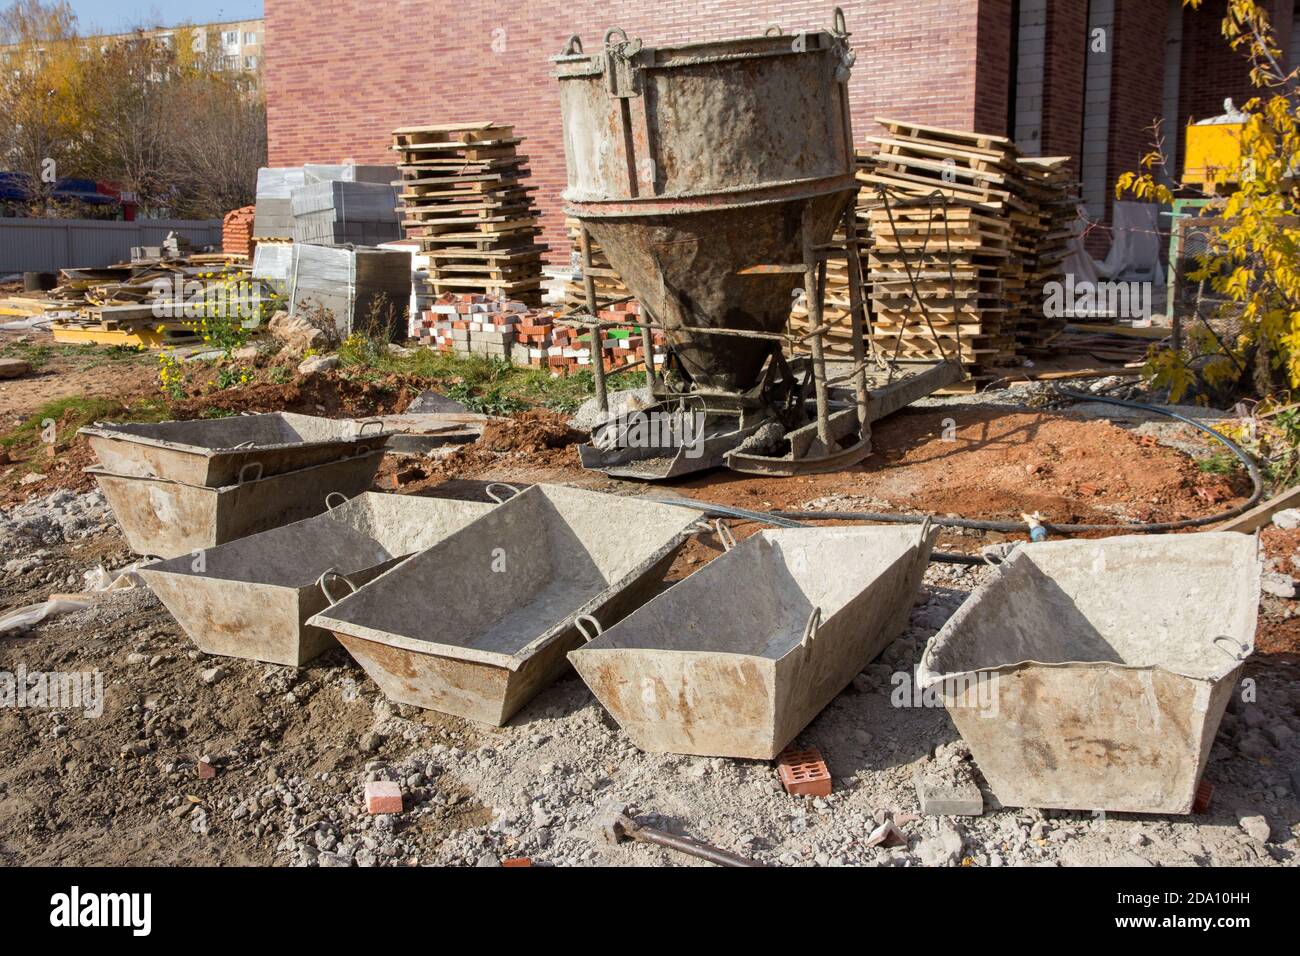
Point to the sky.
(110, 16)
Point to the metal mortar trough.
(166, 519)
(1092, 675)
(738, 658)
(219, 452)
(479, 623)
(251, 598)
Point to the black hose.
(1011, 527)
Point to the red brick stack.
(474, 324)
(237, 232)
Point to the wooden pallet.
(464, 198)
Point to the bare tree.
(40, 96)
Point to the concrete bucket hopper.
(707, 172)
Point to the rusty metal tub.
(738, 658)
(165, 519)
(216, 453)
(251, 598)
(1092, 675)
(479, 623)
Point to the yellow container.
(1212, 154)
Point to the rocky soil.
(211, 760)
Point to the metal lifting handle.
(247, 465)
(324, 588)
(810, 629)
(724, 535)
(581, 622)
(572, 46)
(1240, 650)
(361, 429)
(613, 30)
(497, 498)
(331, 496)
(838, 27)
(773, 30)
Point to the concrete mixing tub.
(1105, 668)
(737, 659)
(215, 453)
(479, 623)
(170, 518)
(251, 598)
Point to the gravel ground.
(290, 751)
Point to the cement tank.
(692, 165)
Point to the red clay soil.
(532, 432)
(997, 465)
(1279, 628)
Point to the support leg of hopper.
(597, 346)
(857, 315)
(813, 289)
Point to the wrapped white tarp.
(1135, 244)
(273, 262)
(349, 173)
(366, 289)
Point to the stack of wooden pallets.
(608, 284)
(950, 223)
(1053, 186)
(971, 223)
(464, 198)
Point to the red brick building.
(1078, 77)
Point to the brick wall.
(340, 75)
(1062, 123)
(1137, 84)
(996, 33)
(1210, 70)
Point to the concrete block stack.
(477, 324)
(340, 212)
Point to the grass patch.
(490, 386)
(1219, 464)
(74, 411)
(34, 355)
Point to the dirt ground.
(74, 372)
(290, 749)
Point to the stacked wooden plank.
(1055, 190)
(464, 198)
(608, 284)
(145, 304)
(956, 250)
(948, 265)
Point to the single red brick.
(517, 861)
(804, 772)
(205, 770)
(1204, 796)
(383, 796)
